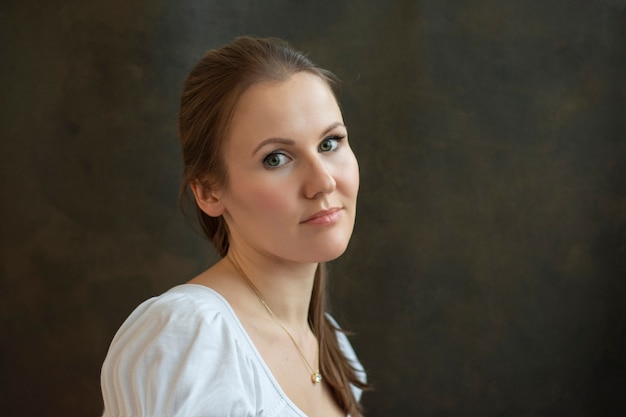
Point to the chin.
(332, 251)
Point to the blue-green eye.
(275, 159)
(329, 144)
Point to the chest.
(293, 373)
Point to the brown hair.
(210, 95)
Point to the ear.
(209, 200)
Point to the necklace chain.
(316, 376)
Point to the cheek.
(350, 175)
(264, 200)
(269, 201)
(357, 176)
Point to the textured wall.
(486, 274)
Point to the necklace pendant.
(316, 377)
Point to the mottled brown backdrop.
(487, 271)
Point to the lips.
(324, 217)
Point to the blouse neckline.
(253, 349)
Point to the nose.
(319, 179)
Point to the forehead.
(301, 105)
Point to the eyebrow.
(286, 141)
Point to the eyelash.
(338, 139)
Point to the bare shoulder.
(223, 279)
(218, 277)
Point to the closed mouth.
(321, 215)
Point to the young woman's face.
(293, 179)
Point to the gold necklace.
(316, 376)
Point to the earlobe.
(209, 201)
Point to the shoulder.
(178, 311)
(185, 315)
(180, 353)
(350, 355)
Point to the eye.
(330, 144)
(275, 160)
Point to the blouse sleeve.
(176, 357)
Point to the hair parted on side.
(210, 95)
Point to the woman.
(274, 181)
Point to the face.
(293, 179)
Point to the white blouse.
(186, 354)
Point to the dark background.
(487, 271)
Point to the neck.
(285, 287)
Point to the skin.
(290, 204)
